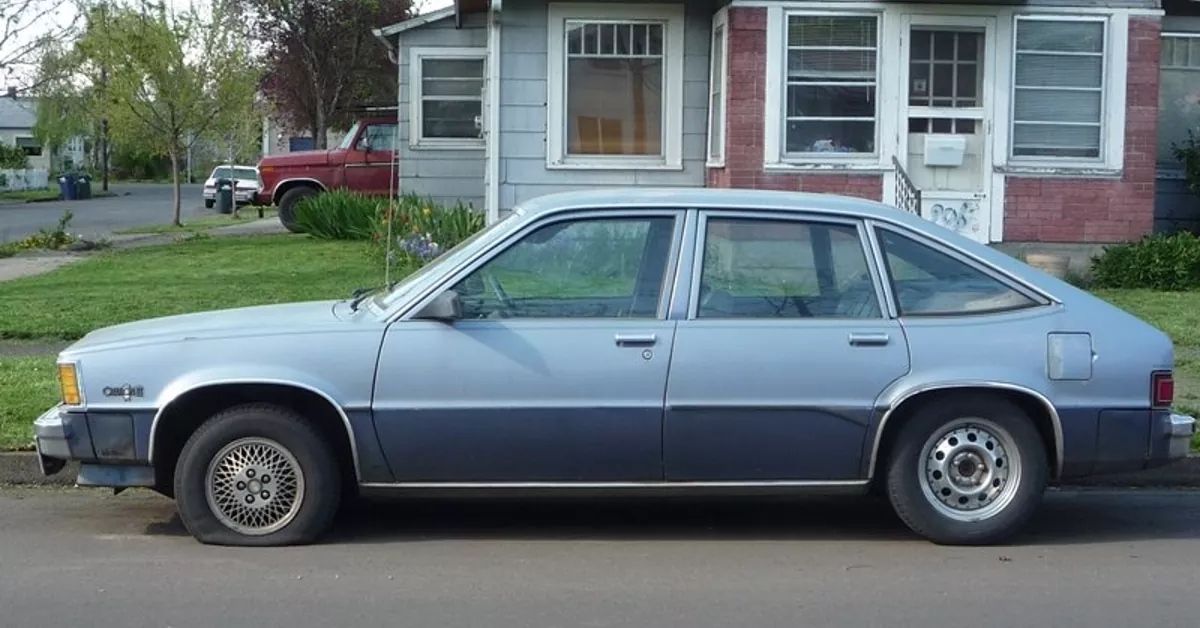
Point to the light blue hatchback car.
(637, 341)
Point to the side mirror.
(446, 307)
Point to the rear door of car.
(556, 373)
(785, 346)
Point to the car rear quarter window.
(768, 268)
(928, 282)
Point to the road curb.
(22, 468)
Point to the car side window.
(585, 268)
(380, 137)
(766, 268)
(927, 282)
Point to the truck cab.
(364, 162)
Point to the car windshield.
(450, 258)
(348, 140)
(236, 172)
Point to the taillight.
(1162, 389)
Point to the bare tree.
(27, 28)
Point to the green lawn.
(46, 194)
(203, 224)
(27, 387)
(125, 285)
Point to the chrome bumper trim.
(1180, 428)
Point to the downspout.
(492, 199)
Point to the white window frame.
(673, 15)
(416, 126)
(775, 154)
(718, 82)
(1114, 66)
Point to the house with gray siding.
(1013, 122)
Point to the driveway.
(1091, 558)
(137, 204)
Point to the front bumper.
(112, 447)
(241, 196)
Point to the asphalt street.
(1091, 559)
(135, 205)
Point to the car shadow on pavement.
(1083, 517)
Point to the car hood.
(250, 321)
(297, 158)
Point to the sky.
(19, 75)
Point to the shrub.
(1188, 153)
(422, 229)
(1159, 262)
(339, 215)
(50, 238)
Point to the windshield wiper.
(359, 295)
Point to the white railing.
(20, 180)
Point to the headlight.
(68, 380)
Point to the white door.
(945, 130)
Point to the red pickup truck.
(364, 161)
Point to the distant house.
(17, 117)
(1011, 122)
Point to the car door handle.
(868, 340)
(635, 340)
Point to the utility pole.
(104, 96)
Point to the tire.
(287, 206)
(285, 443)
(928, 496)
(208, 204)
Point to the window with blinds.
(832, 78)
(1178, 93)
(1058, 88)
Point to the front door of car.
(369, 166)
(782, 355)
(555, 371)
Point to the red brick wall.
(744, 102)
(1100, 210)
(1038, 209)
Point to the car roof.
(833, 205)
(764, 200)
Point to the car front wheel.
(287, 206)
(967, 471)
(257, 475)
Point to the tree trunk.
(319, 134)
(175, 184)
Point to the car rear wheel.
(287, 206)
(967, 471)
(208, 203)
(257, 475)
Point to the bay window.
(1059, 84)
(717, 81)
(615, 86)
(1178, 94)
(831, 93)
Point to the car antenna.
(393, 190)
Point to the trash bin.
(225, 196)
(66, 187)
(83, 187)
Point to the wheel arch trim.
(166, 404)
(276, 194)
(901, 399)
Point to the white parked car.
(245, 179)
